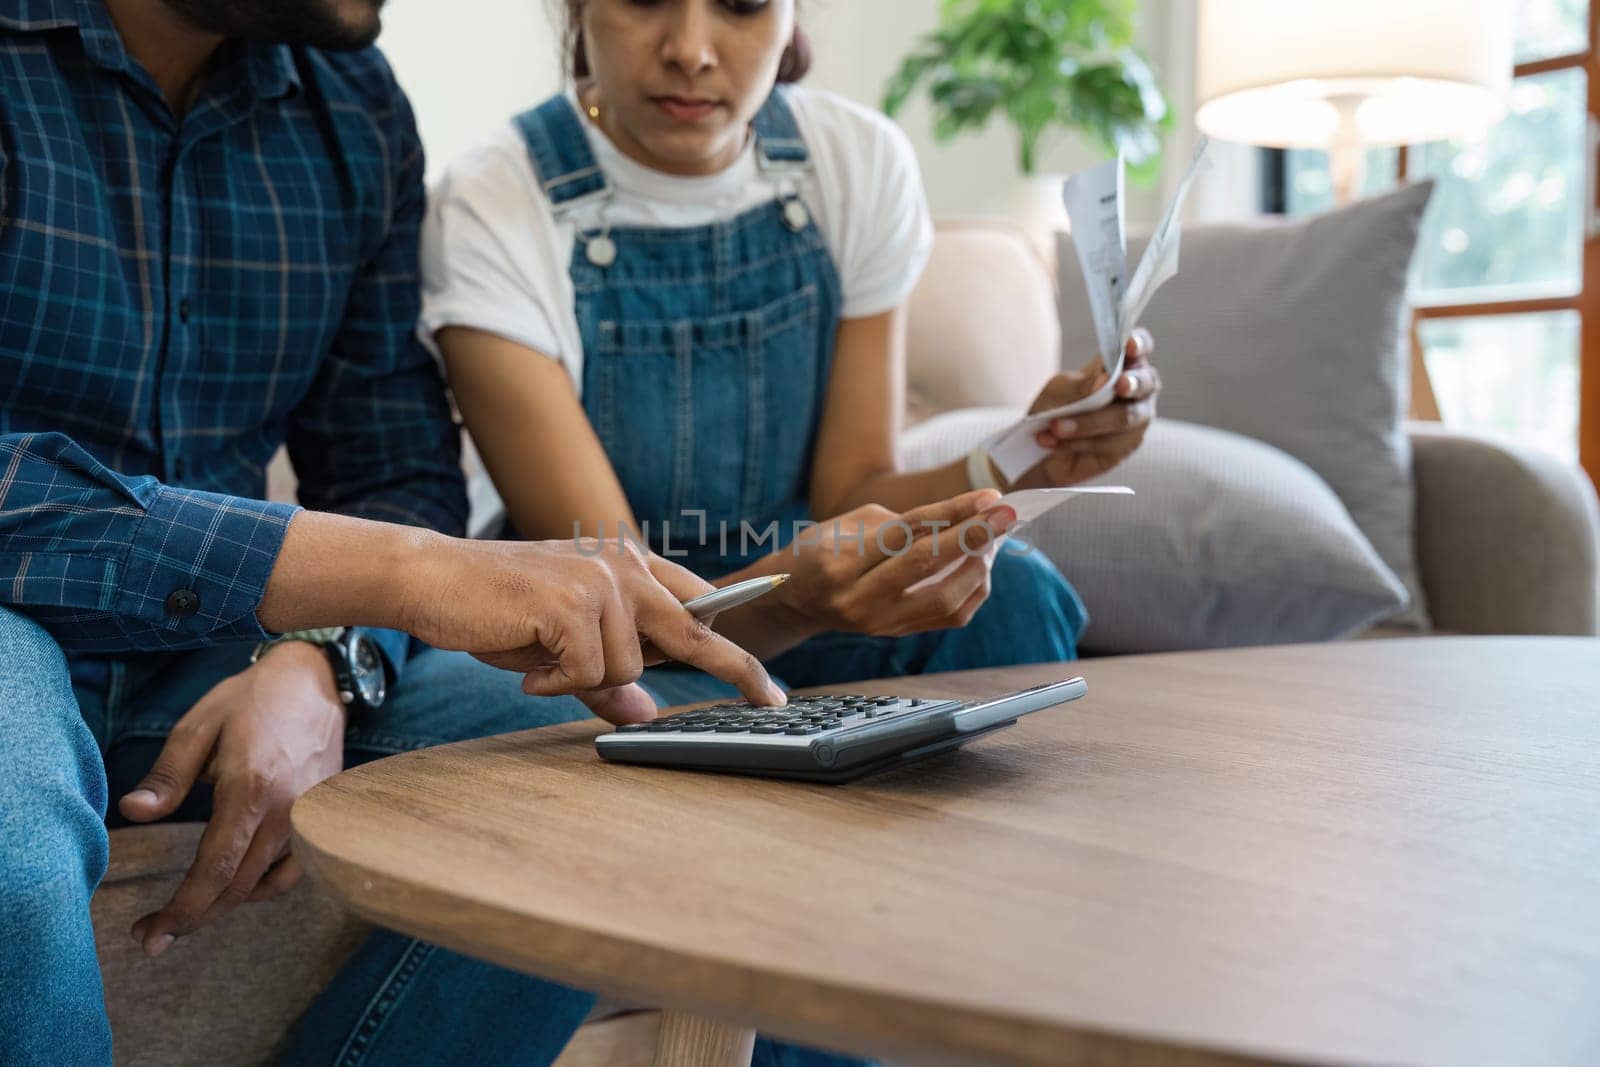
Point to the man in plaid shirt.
(208, 245)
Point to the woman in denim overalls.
(724, 394)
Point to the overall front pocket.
(715, 415)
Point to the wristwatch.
(358, 668)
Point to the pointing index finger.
(663, 622)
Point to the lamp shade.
(1286, 73)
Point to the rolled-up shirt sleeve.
(111, 564)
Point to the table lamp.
(1347, 75)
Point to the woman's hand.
(1084, 446)
(869, 571)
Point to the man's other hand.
(262, 738)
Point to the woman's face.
(678, 81)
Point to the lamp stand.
(1347, 155)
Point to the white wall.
(471, 64)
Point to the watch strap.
(322, 637)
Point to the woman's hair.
(794, 65)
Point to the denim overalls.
(707, 351)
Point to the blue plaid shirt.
(180, 298)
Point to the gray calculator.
(827, 738)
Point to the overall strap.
(778, 139)
(559, 148)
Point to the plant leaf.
(1046, 66)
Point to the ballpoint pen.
(732, 596)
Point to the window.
(1509, 314)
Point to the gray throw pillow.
(1229, 542)
(1295, 333)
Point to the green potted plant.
(1049, 67)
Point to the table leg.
(692, 1041)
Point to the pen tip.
(779, 579)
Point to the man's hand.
(1090, 444)
(582, 618)
(262, 737)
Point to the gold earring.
(594, 113)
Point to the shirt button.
(183, 603)
(183, 310)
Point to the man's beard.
(313, 23)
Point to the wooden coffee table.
(1362, 853)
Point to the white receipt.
(1029, 504)
(1094, 205)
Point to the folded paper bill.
(1117, 302)
(1029, 504)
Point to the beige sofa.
(982, 333)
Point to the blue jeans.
(64, 751)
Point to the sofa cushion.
(1294, 332)
(1228, 542)
(982, 322)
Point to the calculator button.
(732, 728)
(633, 728)
(699, 728)
(804, 730)
(768, 729)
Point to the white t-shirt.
(494, 258)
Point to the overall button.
(602, 251)
(183, 603)
(795, 216)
